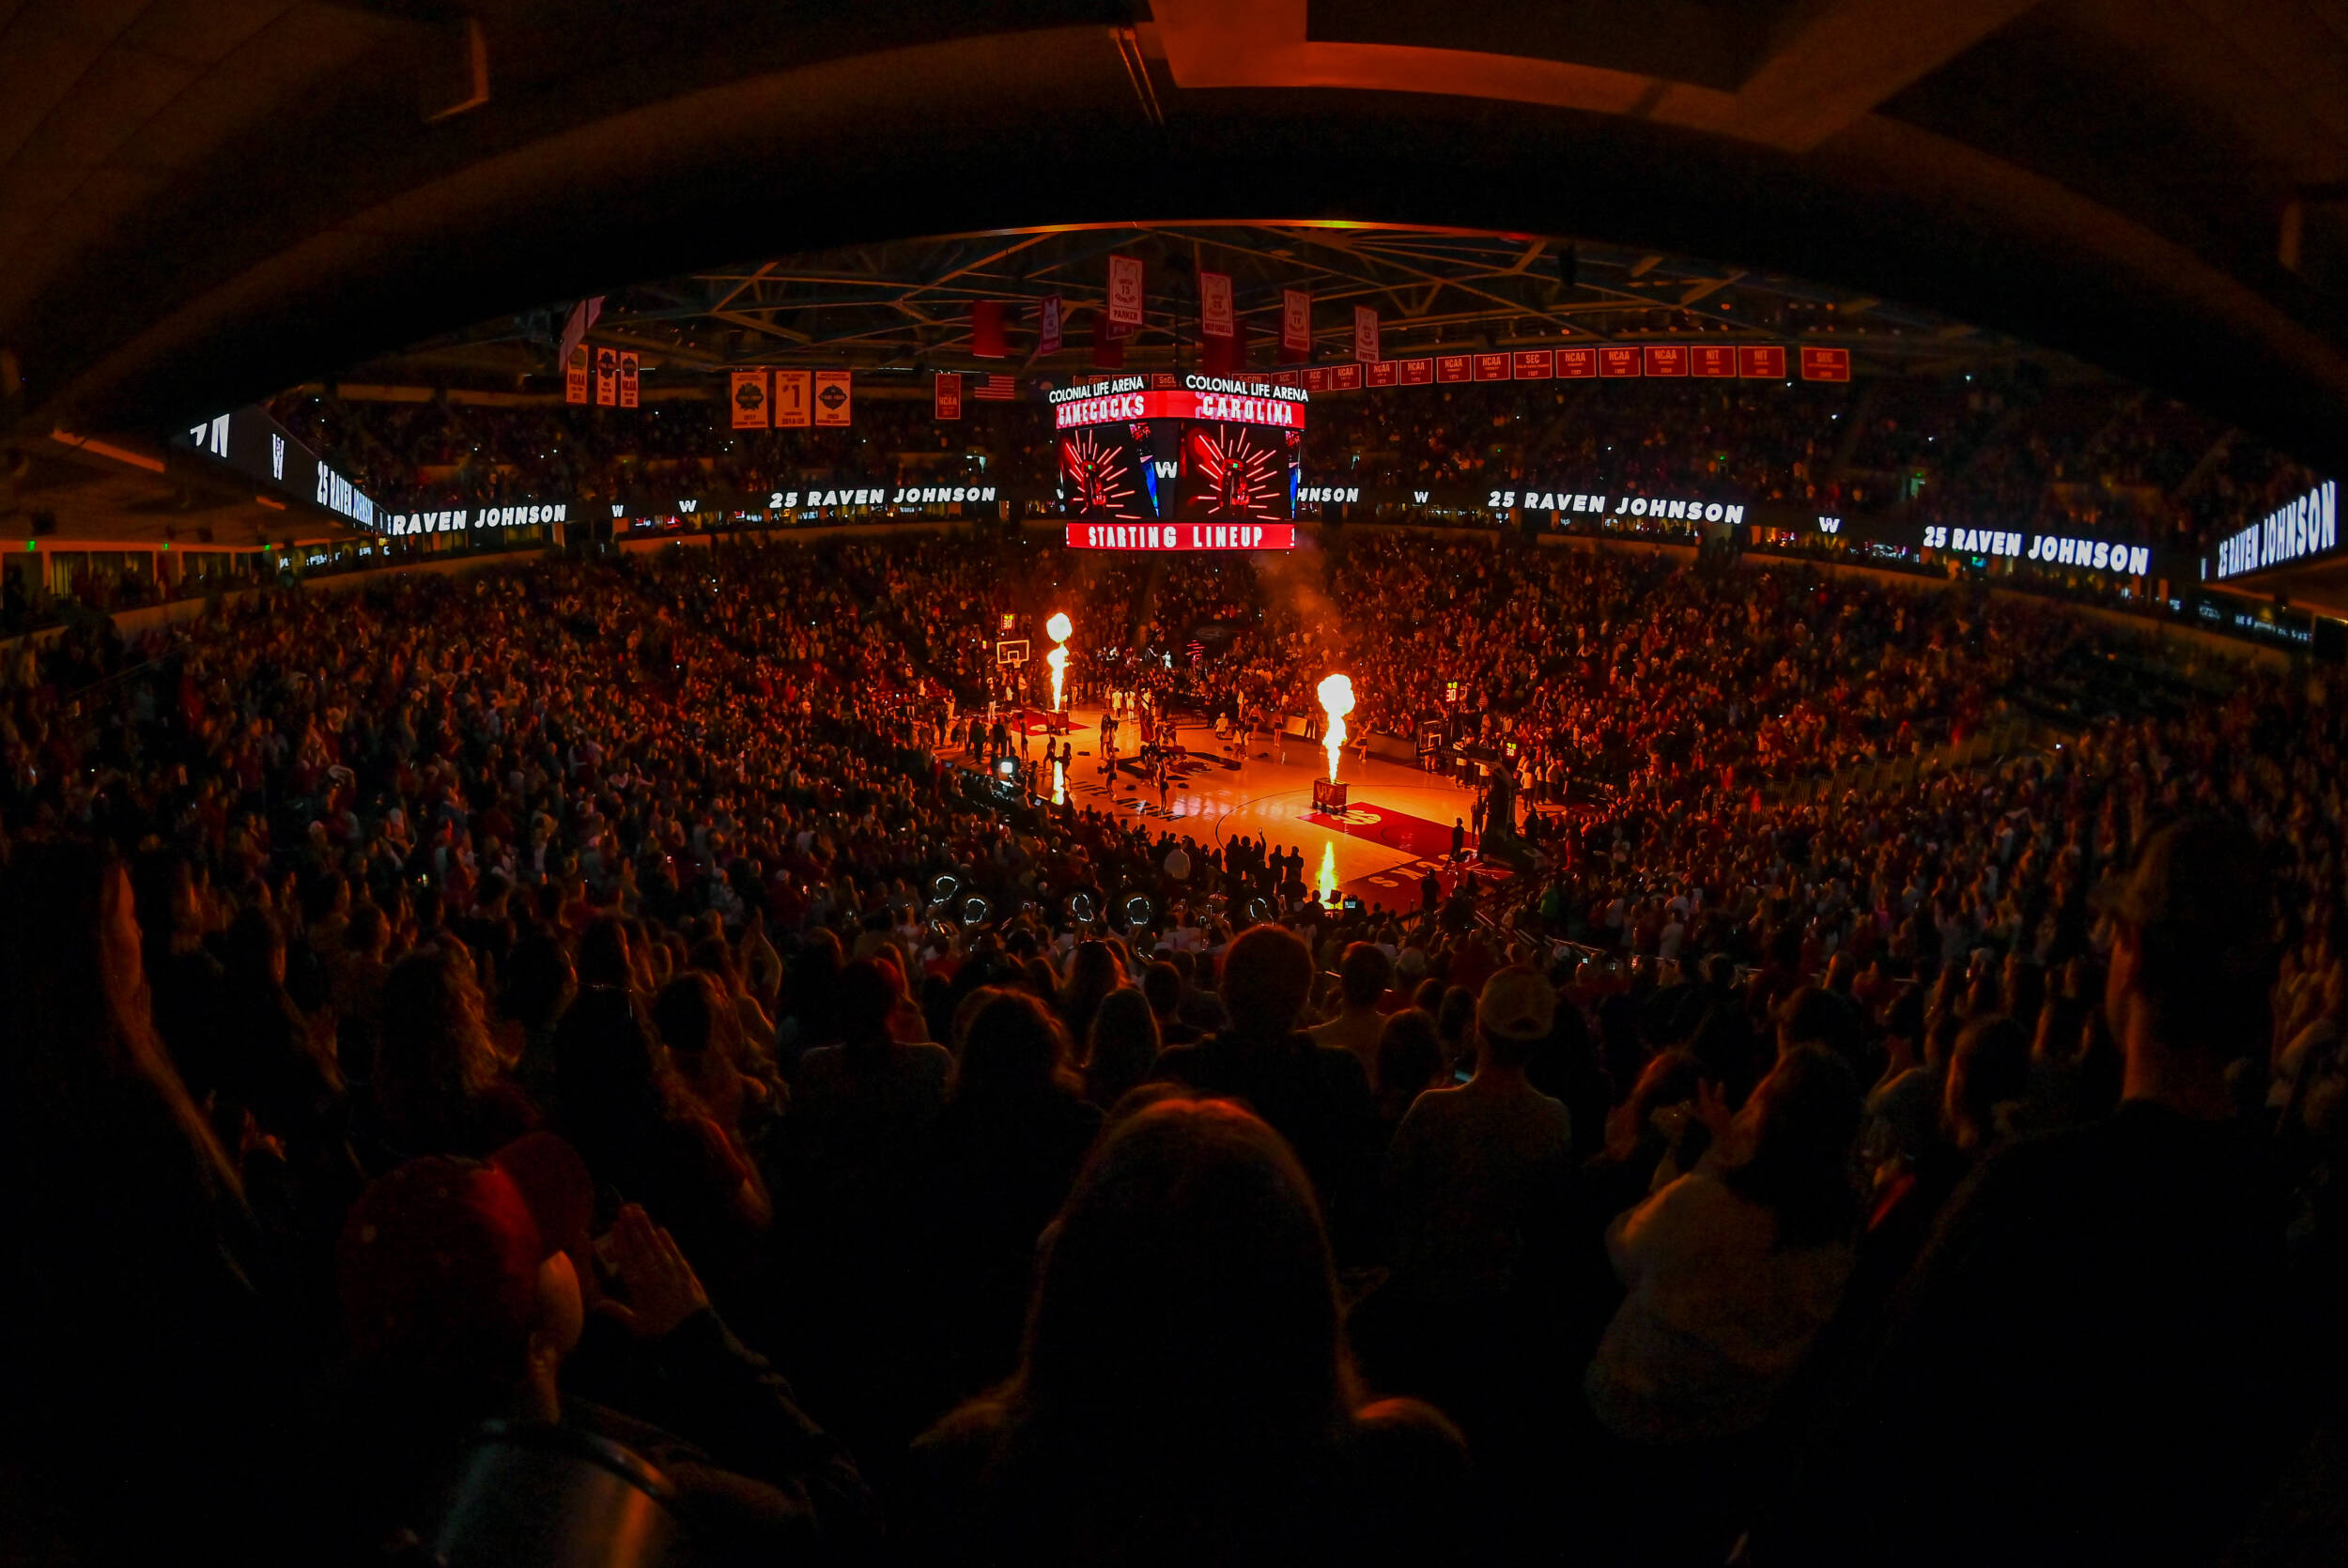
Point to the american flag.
(994, 389)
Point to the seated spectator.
(462, 1307)
(1007, 1147)
(1363, 976)
(1161, 983)
(1123, 1050)
(1315, 1097)
(1183, 1395)
(1409, 1062)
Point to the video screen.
(1109, 472)
(1236, 472)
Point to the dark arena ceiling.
(204, 201)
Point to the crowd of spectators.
(601, 997)
(1994, 447)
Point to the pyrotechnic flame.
(1329, 872)
(1337, 701)
(1057, 628)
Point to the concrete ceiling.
(202, 201)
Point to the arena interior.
(1150, 782)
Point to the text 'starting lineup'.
(1181, 536)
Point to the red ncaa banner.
(1181, 536)
(1383, 373)
(1344, 378)
(1825, 365)
(946, 399)
(1618, 362)
(574, 377)
(1296, 325)
(747, 393)
(1491, 367)
(1536, 364)
(1215, 304)
(1454, 367)
(1417, 372)
(1125, 290)
(1048, 314)
(1711, 359)
(1577, 364)
(1666, 358)
(1761, 361)
(793, 398)
(1365, 334)
(627, 377)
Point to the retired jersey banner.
(627, 377)
(793, 398)
(832, 391)
(1666, 358)
(946, 399)
(1047, 323)
(1344, 378)
(1535, 364)
(1454, 367)
(1577, 364)
(1618, 362)
(1417, 372)
(1383, 373)
(1712, 359)
(1825, 365)
(1764, 361)
(1296, 325)
(1126, 291)
(1491, 367)
(606, 377)
(748, 396)
(1365, 333)
(1215, 304)
(574, 377)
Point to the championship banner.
(832, 391)
(1385, 373)
(1365, 334)
(1535, 364)
(986, 329)
(574, 377)
(1417, 372)
(1454, 367)
(1317, 378)
(1666, 358)
(1215, 304)
(1764, 361)
(1618, 362)
(1491, 367)
(1125, 307)
(1344, 378)
(1139, 537)
(1296, 326)
(1047, 318)
(794, 400)
(1577, 364)
(748, 396)
(1712, 359)
(946, 399)
(606, 377)
(1825, 365)
(627, 377)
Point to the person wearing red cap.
(465, 1286)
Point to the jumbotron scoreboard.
(1206, 463)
